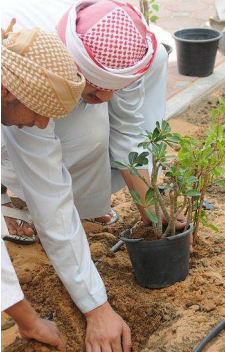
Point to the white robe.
(11, 292)
(85, 144)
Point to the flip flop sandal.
(20, 239)
(21, 216)
(114, 219)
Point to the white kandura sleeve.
(11, 292)
(137, 108)
(36, 156)
(126, 121)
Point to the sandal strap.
(5, 198)
(14, 213)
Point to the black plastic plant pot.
(160, 263)
(196, 50)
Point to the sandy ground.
(173, 319)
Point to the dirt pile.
(173, 319)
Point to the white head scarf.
(108, 74)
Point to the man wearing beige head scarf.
(125, 68)
(47, 84)
(66, 247)
(34, 88)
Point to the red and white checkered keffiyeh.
(109, 41)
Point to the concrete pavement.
(184, 91)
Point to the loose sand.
(173, 319)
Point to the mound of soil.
(173, 319)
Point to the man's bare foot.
(107, 219)
(19, 228)
(16, 226)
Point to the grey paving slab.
(195, 91)
(184, 91)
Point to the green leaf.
(144, 145)
(213, 227)
(142, 159)
(193, 193)
(154, 18)
(158, 125)
(132, 157)
(174, 147)
(169, 174)
(136, 197)
(151, 216)
(214, 112)
(143, 154)
(192, 179)
(149, 195)
(170, 157)
(119, 165)
(165, 126)
(175, 138)
(207, 224)
(155, 133)
(134, 172)
(219, 170)
(220, 183)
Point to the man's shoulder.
(31, 13)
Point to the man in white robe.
(19, 91)
(66, 168)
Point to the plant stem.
(198, 216)
(148, 184)
(189, 212)
(158, 195)
(170, 230)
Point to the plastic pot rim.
(168, 48)
(200, 30)
(160, 241)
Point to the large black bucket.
(196, 50)
(160, 263)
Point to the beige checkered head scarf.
(38, 70)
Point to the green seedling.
(198, 164)
(148, 8)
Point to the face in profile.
(93, 95)
(13, 112)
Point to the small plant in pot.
(165, 260)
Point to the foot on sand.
(19, 227)
(111, 218)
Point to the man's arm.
(47, 189)
(33, 327)
(137, 108)
(36, 155)
(17, 307)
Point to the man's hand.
(33, 327)
(106, 331)
(44, 331)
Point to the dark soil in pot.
(161, 262)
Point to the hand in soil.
(106, 331)
(44, 331)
